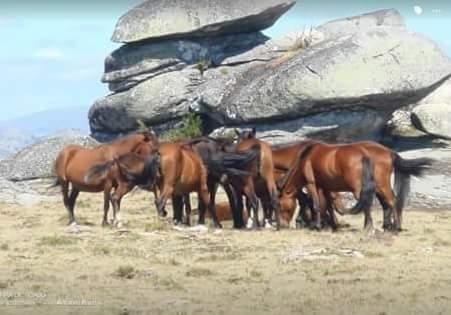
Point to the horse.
(181, 172)
(325, 168)
(386, 162)
(126, 171)
(219, 166)
(262, 172)
(225, 168)
(73, 161)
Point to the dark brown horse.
(225, 168)
(73, 162)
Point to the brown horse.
(323, 169)
(181, 172)
(127, 171)
(262, 171)
(386, 162)
(74, 161)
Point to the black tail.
(147, 177)
(403, 170)
(234, 164)
(368, 188)
(98, 171)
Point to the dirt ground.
(150, 268)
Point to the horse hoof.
(119, 225)
(72, 223)
(268, 224)
(105, 223)
(250, 223)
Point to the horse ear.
(150, 136)
(253, 132)
(236, 132)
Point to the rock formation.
(339, 82)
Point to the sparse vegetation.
(303, 40)
(57, 240)
(202, 65)
(191, 127)
(125, 272)
(182, 268)
(156, 224)
(224, 71)
(199, 272)
(101, 250)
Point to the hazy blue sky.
(52, 51)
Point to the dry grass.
(151, 269)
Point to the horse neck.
(292, 180)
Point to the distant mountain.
(17, 133)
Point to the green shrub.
(191, 127)
(202, 65)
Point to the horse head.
(246, 134)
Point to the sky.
(52, 51)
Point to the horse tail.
(403, 169)
(241, 160)
(98, 172)
(368, 189)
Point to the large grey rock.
(411, 123)
(132, 64)
(154, 101)
(400, 125)
(160, 19)
(433, 119)
(364, 22)
(334, 126)
(381, 68)
(36, 161)
(373, 69)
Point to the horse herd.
(251, 172)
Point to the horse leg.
(106, 204)
(388, 197)
(65, 193)
(162, 199)
(238, 222)
(187, 203)
(209, 199)
(330, 209)
(156, 195)
(177, 206)
(116, 199)
(71, 202)
(251, 200)
(304, 202)
(311, 188)
(387, 224)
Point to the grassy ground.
(149, 268)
